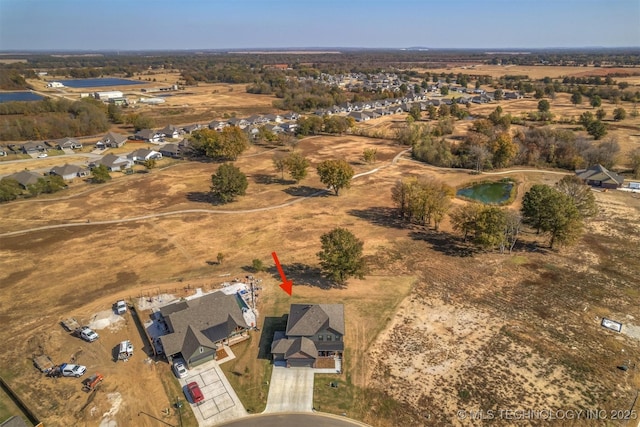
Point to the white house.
(143, 154)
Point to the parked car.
(179, 369)
(88, 334)
(42, 155)
(194, 392)
(69, 370)
(121, 307)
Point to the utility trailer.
(44, 364)
(70, 325)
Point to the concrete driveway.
(290, 390)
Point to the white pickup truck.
(88, 334)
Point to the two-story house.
(314, 337)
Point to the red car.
(194, 392)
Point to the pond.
(100, 82)
(19, 96)
(489, 192)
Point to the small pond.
(489, 192)
(19, 96)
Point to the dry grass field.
(433, 328)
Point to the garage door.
(301, 363)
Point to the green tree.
(576, 98)
(415, 112)
(100, 174)
(115, 114)
(311, 125)
(498, 95)
(489, 227)
(140, 121)
(369, 155)
(533, 205)
(297, 165)
(544, 106)
(586, 118)
(597, 129)
(619, 114)
(444, 90)
(464, 218)
(595, 101)
(635, 163)
(257, 265)
(9, 189)
(581, 194)
(150, 164)
(335, 174)
(225, 145)
(601, 114)
(562, 220)
(228, 183)
(341, 255)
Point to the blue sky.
(229, 24)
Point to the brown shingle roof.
(307, 320)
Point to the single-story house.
(241, 123)
(170, 150)
(170, 131)
(199, 327)
(33, 147)
(599, 176)
(114, 163)
(25, 178)
(111, 140)
(143, 154)
(359, 116)
(149, 135)
(70, 143)
(313, 338)
(192, 128)
(69, 172)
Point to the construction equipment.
(92, 382)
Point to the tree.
(335, 174)
(586, 118)
(552, 212)
(422, 200)
(228, 183)
(369, 155)
(115, 114)
(511, 230)
(9, 189)
(619, 114)
(464, 218)
(297, 165)
(597, 129)
(309, 125)
(581, 194)
(489, 227)
(280, 164)
(225, 145)
(100, 174)
(257, 265)
(150, 164)
(533, 204)
(140, 121)
(601, 114)
(544, 106)
(444, 90)
(341, 255)
(635, 163)
(504, 150)
(415, 112)
(576, 98)
(498, 95)
(595, 101)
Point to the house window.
(320, 337)
(329, 337)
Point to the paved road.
(294, 420)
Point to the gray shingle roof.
(307, 320)
(201, 321)
(25, 177)
(599, 173)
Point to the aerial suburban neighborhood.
(437, 227)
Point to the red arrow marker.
(286, 285)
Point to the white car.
(88, 334)
(121, 307)
(179, 369)
(69, 370)
(42, 155)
